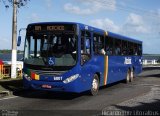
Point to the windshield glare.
(53, 50)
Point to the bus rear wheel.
(128, 77)
(131, 75)
(95, 85)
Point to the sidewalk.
(147, 104)
(8, 86)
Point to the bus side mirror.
(19, 41)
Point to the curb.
(5, 93)
(9, 93)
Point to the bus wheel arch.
(133, 72)
(127, 80)
(95, 84)
(130, 75)
(99, 76)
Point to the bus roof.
(121, 37)
(82, 26)
(53, 23)
(114, 35)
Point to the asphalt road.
(46, 103)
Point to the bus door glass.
(85, 46)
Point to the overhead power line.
(129, 9)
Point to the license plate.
(47, 86)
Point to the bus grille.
(49, 73)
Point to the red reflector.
(32, 75)
(47, 86)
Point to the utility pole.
(14, 41)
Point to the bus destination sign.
(49, 28)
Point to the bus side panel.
(87, 71)
(137, 65)
(117, 69)
(99, 67)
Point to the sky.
(138, 19)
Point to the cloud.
(155, 22)
(86, 7)
(106, 24)
(76, 10)
(135, 24)
(48, 4)
(134, 19)
(34, 18)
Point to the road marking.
(8, 98)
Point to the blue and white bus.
(74, 57)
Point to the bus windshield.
(51, 49)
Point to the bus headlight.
(27, 77)
(71, 78)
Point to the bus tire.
(131, 75)
(95, 85)
(128, 77)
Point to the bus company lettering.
(127, 61)
(57, 78)
(55, 28)
(140, 61)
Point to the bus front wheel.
(95, 85)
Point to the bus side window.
(109, 46)
(118, 47)
(85, 46)
(139, 49)
(135, 50)
(124, 47)
(130, 48)
(98, 44)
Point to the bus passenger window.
(135, 50)
(124, 48)
(98, 45)
(130, 48)
(109, 46)
(117, 47)
(139, 49)
(85, 46)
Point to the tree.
(19, 3)
(16, 4)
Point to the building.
(149, 59)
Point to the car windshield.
(51, 50)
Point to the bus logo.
(127, 61)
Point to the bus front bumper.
(52, 86)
